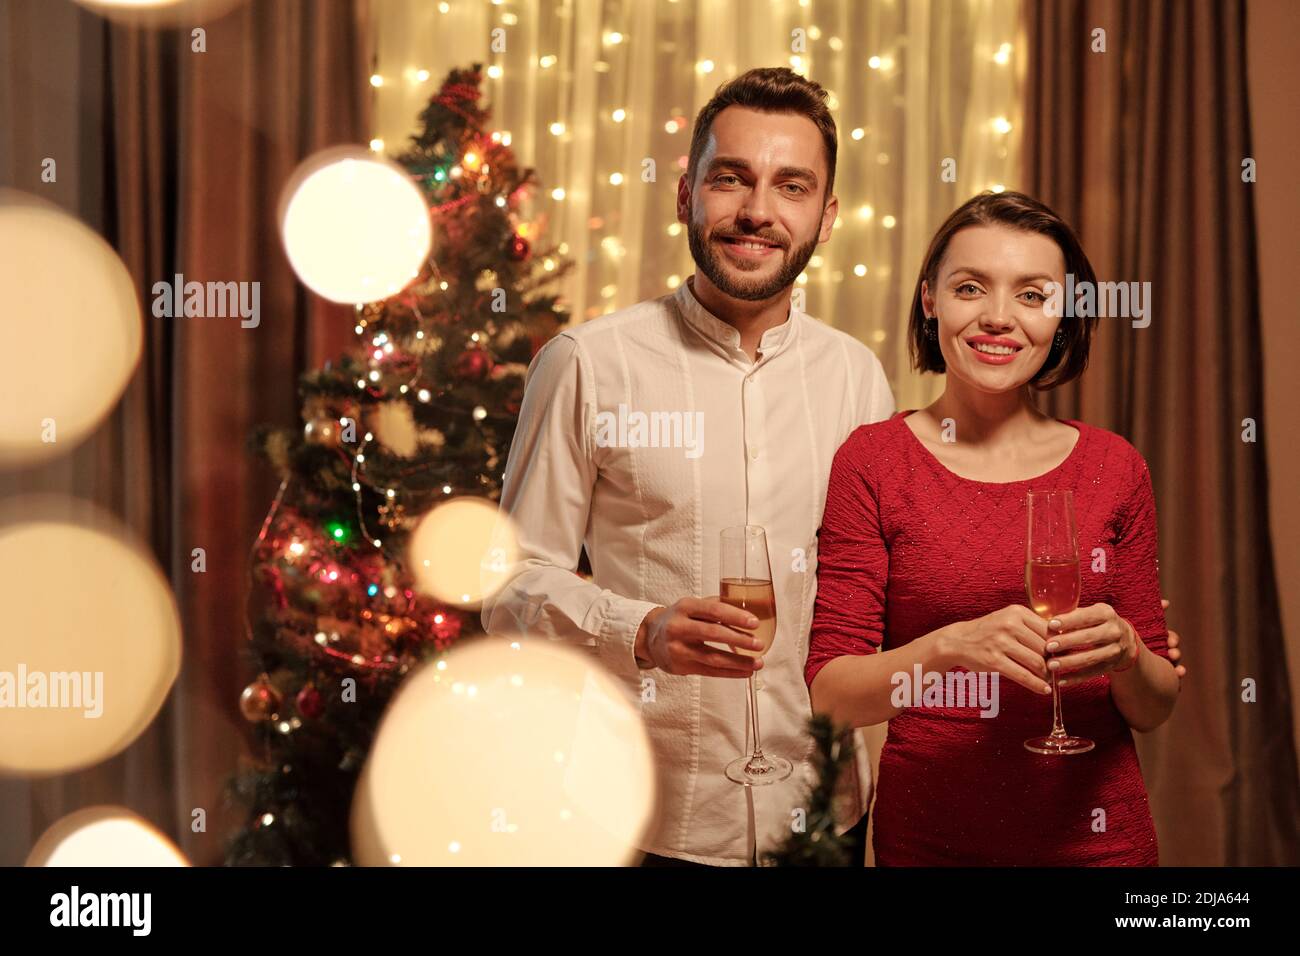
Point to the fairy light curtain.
(589, 89)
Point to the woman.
(921, 561)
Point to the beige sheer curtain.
(913, 83)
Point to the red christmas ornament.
(473, 364)
(517, 248)
(309, 701)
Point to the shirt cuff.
(617, 639)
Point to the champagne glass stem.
(1058, 725)
(753, 716)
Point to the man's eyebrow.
(785, 172)
(985, 277)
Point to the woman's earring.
(932, 328)
(1058, 340)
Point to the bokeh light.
(461, 551)
(523, 753)
(70, 327)
(90, 651)
(104, 836)
(354, 226)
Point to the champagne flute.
(747, 584)
(1052, 581)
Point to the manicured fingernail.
(1054, 645)
(1053, 665)
(1062, 683)
(751, 621)
(1047, 688)
(1054, 624)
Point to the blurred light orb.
(513, 754)
(160, 13)
(70, 325)
(462, 550)
(104, 836)
(90, 641)
(354, 225)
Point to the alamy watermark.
(1114, 300)
(209, 300)
(950, 689)
(59, 690)
(628, 429)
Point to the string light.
(1001, 125)
(874, 63)
(377, 145)
(618, 115)
(376, 80)
(616, 179)
(557, 129)
(494, 72)
(613, 38)
(888, 222)
(546, 62)
(1003, 56)
(859, 270)
(704, 66)
(421, 76)
(557, 193)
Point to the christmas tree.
(815, 841)
(419, 411)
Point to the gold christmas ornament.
(260, 700)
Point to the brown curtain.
(1140, 148)
(177, 157)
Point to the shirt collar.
(725, 335)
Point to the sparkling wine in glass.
(746, 583)
(1052, 583)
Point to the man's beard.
(709, 261)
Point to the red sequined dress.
(906, 547)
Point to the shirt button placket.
(751, 407)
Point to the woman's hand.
(1089, 642)
(1011, 642)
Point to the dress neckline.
(930, 456)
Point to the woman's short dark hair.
(1019, 212)
(769, 89)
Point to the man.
(755, 398)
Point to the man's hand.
(674, 638)
(1172, 640)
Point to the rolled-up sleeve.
(544, 513)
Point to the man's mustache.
(779, 243)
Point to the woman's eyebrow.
(985, 277)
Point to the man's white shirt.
(735, 442)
